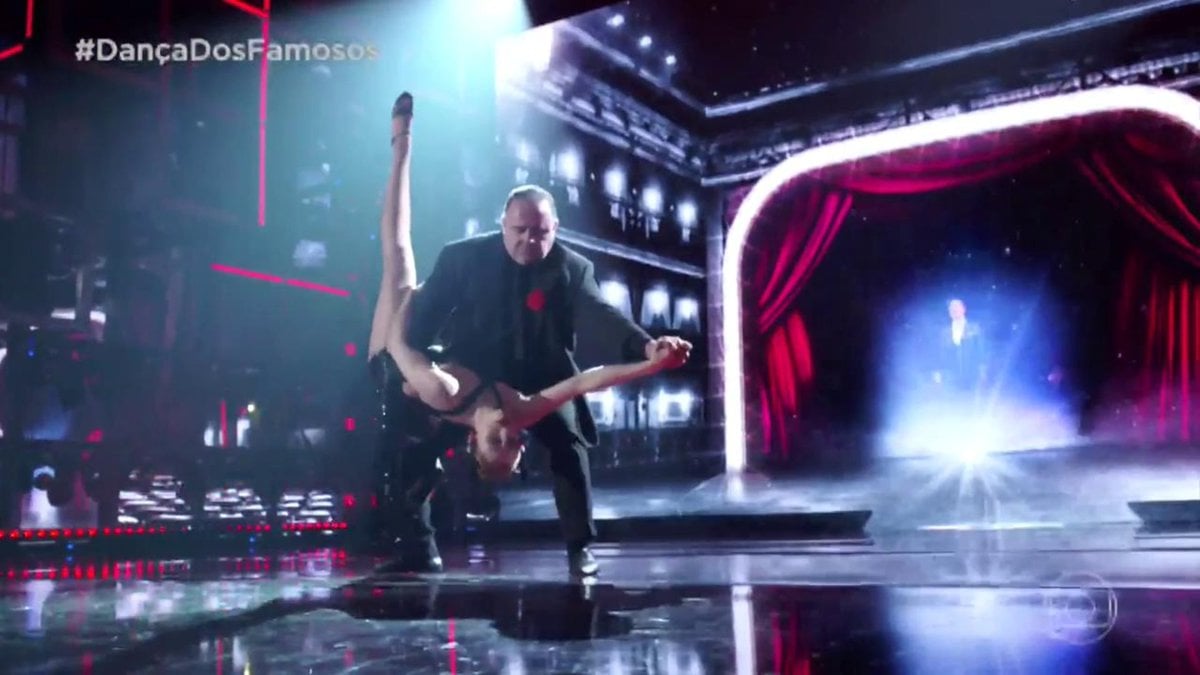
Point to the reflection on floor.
(767, 607)
(1069, 486)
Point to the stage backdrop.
(1034, 286)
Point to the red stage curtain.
(1157, 323)
(817, 212)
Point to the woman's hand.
(668, 352)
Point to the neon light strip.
(271, 278)
(320, 288)
(1165, 102)
(226, 269)
(263, 13)
(28, 19)
(248, 8)
(262, 116)
(11, 51)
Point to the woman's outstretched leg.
(395, 227)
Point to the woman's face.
(498, 449)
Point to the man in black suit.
(508, 305)
(962, 359)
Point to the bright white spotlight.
(613, 292)
(670, 60)
(687, 314)
(1173, 105)
(652, 199)
(687, 213)
(570, 166)
(675, 407)
(604, 407)
(308, 254)
(614, 183)
(657, 299)
(616, 20)
(526, 53)
(645, 42)
(654, 309)
(472, 227)
(616, 294)
(250, 408)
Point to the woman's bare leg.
(395, 228)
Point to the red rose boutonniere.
(536, 300)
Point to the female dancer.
(435, 393)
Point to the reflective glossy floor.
(769, 607)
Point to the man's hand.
(669, 352)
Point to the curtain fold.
(1157, 317)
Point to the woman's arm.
(529, 410)
(434, 386)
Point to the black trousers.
(416, 472)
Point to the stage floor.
(1085, 485)
(974, 605)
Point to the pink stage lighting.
(1164, 102)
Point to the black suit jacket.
(466, 305)
(962, 365)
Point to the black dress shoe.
(582, 562)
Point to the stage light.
(686, 211)
(251, 408)
(604, 406)
(614, 183)
(472, 227)
(1173, 105)
(652, 199)
(616, 294)
(654, 308)
(570, 166)
(645, 42)
(687, 308)
(687, 314)
(613, 292)
(674, 408)
(530, 51)
(309, 254)
(670, 60)
(240, 428)
(616, 20)
(657, 299)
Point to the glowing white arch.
(1166, 102)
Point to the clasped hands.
(669, 351)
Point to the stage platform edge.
(742, 526)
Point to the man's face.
(528, 228)
(958, 310)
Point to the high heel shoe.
(402, 113)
